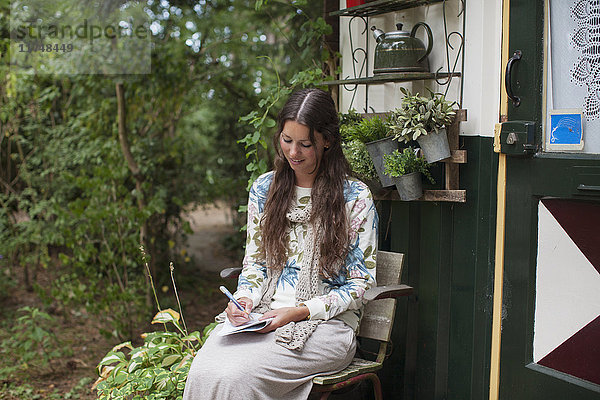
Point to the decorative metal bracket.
(360, 56)
(364, 65)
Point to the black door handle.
(507, 78)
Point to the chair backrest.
(378, 316)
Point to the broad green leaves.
(157, 369)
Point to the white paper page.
(253, 325)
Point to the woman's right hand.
(235, 315)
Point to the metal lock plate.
(517, 137)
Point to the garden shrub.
(155, 370)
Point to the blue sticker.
(565, 129)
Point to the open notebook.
(253, 325)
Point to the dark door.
(550, 337)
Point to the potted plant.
(406, 168)
(424, 119)
(374, 132)
(361, 163)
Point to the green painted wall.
(450, 251)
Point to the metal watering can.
(401, 51)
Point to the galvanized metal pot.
(435, 146)
(409, 186)
(376, 150)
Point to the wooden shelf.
(457, 196)
(457, 157)
(381, 7)
(386, 78)
(451, 191)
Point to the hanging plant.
(406, 168)
(402, 163)
(420, 115)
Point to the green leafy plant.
(367, 130)
(262, 121)
(315, 70)
(256, 143)
(349, 119)
(30, 343)
(355, 149)
(359, 159)
(405, 162)
(159, 367)
(420, 115)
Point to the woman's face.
(302, 155)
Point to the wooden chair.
(376, 324)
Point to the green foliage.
(155, 370)
(347, 120)
(81, 387)
(262, 123)
(25, 391)
(308, 47)
(159, 367)
(398, 164)
(69, 201)
(355, 132)
(7, 281)
(367, 130)
(30, 343)
(420, 115)
(73, 198)
(359, 159)
(312, 31)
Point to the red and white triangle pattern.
(567, 314)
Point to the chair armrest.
(232, 273)
(386, 292)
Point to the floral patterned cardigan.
(342, 296)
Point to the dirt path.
(200, 295)
(210, 226)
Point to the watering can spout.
(377, 33)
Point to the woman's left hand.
(283, 316)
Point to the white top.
(342, 296)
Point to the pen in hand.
(228, 294)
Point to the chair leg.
(328, 389)
(376, 386)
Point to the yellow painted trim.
(545, 71)
(500, 225)
(498, 280)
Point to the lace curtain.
(574, 64)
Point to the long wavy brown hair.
(315, 109)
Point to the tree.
(79, 182)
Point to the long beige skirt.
(250, 366)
